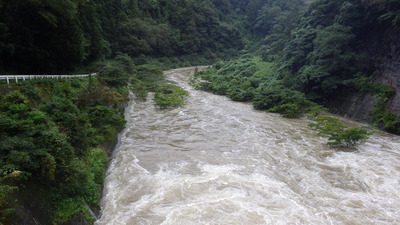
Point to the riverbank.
(220, 161)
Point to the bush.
(114, 75)
(151, 74)
(170, 96)
(337, 133)
(365, 85)
(289, 110)
(315, 110)
(107, 122)
(381, 116)
(278, 98)
(139, 88)
(204, 86)
(386, 119)
(349, 137)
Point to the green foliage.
(381, 116)
(237, 79)
(139, 88)
(384, 118)
(170, 28)
(66, 209)
(168, 96)
(49, 133)
(289, 110)
(5, 205)
(96, 93)
(107, 121)
(151, 74)
(266, 16)
(274, 21)
(387, 12)
(141, 79)
(349, 137)
(322, 55)
(204, 86)
(114, 75)
(270, 96)
(337, 133)
(71, 120)
(250, 79)
(365, 85)
(332, 55)
(50, 36)
(6, 189)
(315, 110)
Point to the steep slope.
(345, 54)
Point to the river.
(215, 161)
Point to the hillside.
(284, 56)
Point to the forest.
(284, 56)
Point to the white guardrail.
(25, 77)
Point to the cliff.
(386, 60)
(381, 46)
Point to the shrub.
(289, 110)
(314, 111)
(107, 121)
(139, 88)
(204, 86)
(337, 133)
(365, 85)
(170, 95)
(114, 75)
(349, 137)
(386, 119)
(278, 98)
(381, 116)
(150, 74)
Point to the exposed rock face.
(382, 47)
(387, 64)
(353, 106)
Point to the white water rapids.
(215, 161)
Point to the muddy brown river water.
(215, 161)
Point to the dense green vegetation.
(49, 36)
(169, 95)
(337, 133)
(329, 50)
(41, 36)
(251, 79)
(319, 57)
(51, 131)
(52, 134)
(285, 56)
(383, 93)
(50, 137)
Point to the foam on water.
(221, 162)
